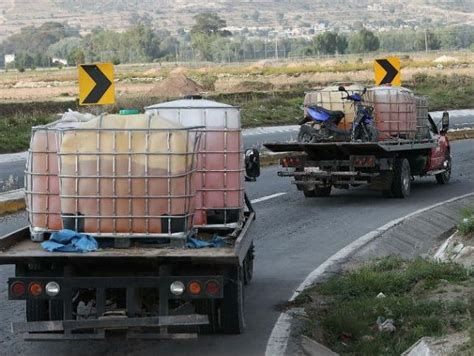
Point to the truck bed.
(352, 148)
(18, 247)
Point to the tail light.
(18, 289)
(212, 287)
(290, 162)
(35, 289)
(194, 288)
(364, 161)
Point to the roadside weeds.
(419, 297)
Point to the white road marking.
(268, 197)
(278, 340)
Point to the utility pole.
(426, 40)
(276, 48)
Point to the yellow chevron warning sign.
(387, 71)
(96, 84)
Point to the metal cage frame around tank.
(203, 151)
(37, 233)
(391, 117)
(147, 154)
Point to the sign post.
(387, 71)
(96, 84)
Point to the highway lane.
(13, 170)
(293, 236)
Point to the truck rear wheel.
(37, 310)
(401, 184)
(44, 310)
(248, 265)
(318, 192)
(232, 309)
(443, 178)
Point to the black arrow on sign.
(102, 83)
(391, 71)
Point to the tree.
(206, 30)
(280, 17)
(36, 41)
(363, 41)
(208, 23)
(330, 43)
(255, 15)
(76, 57)
(65, 47)
(23, 60)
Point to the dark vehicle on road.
(410, 144)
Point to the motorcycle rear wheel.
(306, 134)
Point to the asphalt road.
(13, 171)
(293, 236)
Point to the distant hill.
(175, 14)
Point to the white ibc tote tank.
(220, 164)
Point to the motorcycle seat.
(334, 115)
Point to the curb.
(280, 336)
(12, 201)
(271, 158)
(463, 134)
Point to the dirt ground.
(138, 80)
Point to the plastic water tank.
(220, 165)
(395, 111)
(128, 175)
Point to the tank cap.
(193, 97)
(128, 112)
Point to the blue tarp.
(70, 241)
(217, 241)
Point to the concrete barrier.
(12, 201)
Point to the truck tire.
(309, 193)
(37, 310)
(209, 308)
(232, 309)
(56, 310)
(44, 310)
(322, 192)
(318, 192)
(401, 184)
(443, 178)
(248, 265)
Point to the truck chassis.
(386, 166)
(137, 282)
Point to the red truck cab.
(440, 157)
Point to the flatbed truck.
(388, 166)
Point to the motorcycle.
(321, 124)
